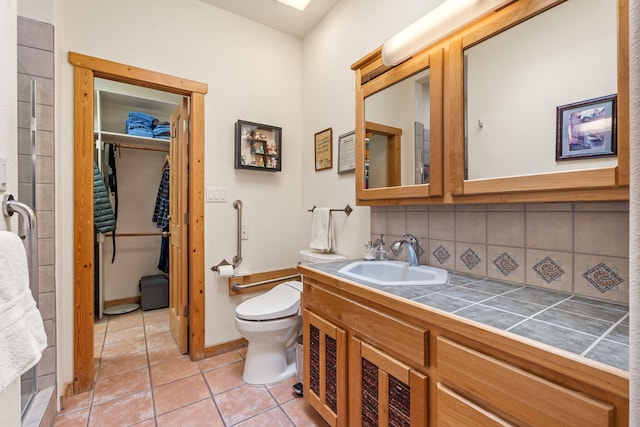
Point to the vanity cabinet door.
(384, 392)
(325, 368)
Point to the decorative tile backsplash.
(580, 248)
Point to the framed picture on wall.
(323, 149)
(586, 129)
(258, 146)
(347, 152)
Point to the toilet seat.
(280, 301)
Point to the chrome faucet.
(412, 245)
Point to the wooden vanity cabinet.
(374, 359)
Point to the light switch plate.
(216, 195)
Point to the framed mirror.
(399, 131)
(517, 69)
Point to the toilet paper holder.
(237, 259)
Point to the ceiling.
(278, 15)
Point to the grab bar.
(236, 287)
(28, 230)
(237, 259)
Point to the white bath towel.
(322, 230)
(22, 335)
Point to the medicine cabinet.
(399, 133)
(494, 88)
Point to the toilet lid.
(280, 301)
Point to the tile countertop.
(597, 330)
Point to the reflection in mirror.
(397, 134)
(515, 80)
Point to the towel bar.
(347, 209)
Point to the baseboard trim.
(128, 300)
(225, 347)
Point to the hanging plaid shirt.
(161, 211)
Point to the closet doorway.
(186, 274)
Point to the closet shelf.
(133, 140)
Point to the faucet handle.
(412, 239)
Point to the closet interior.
(132, 154)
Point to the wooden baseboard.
(128, 300)
(225, 347)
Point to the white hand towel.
(321, 229)
(22, 335)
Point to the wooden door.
(178, 227)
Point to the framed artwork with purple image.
(586, 129)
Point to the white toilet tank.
(309, 256)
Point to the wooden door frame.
(86, 68)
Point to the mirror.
(515, 81)
(397, 142)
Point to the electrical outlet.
(245, 232)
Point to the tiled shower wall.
(35, 62)
(581, 248)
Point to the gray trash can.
(299, 360)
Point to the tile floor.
(143, 380)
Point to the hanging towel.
(322, 230)
(22, 335)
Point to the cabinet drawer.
(384, 331)
(526, 397)
(454, 410)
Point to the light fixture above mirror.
(441, 21)
(296, 4)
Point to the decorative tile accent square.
(602, 277)
(506, 264)
(470, 258)
(441, 254)
(548, 270)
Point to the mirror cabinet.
(502, 106)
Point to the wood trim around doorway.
(86, 68)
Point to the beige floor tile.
(156, 328)
(219, 360)
(158, 315)
(151, 422)
(180, 393)
(243, 402)
(303, 414)
(273, 418)
(121, 364)
(72, 419)
(77, 402)
(199, 414)
(134, 345)
(124, 411)
(121, 385)
(283, 391)
(178, 369)
(163, 354)
(124, 335)
(159, 340)
(225, 378)
(124, 321)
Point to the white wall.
(351, 30)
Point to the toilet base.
(269, 366)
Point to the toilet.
(271, 323)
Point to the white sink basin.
(395, 273)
